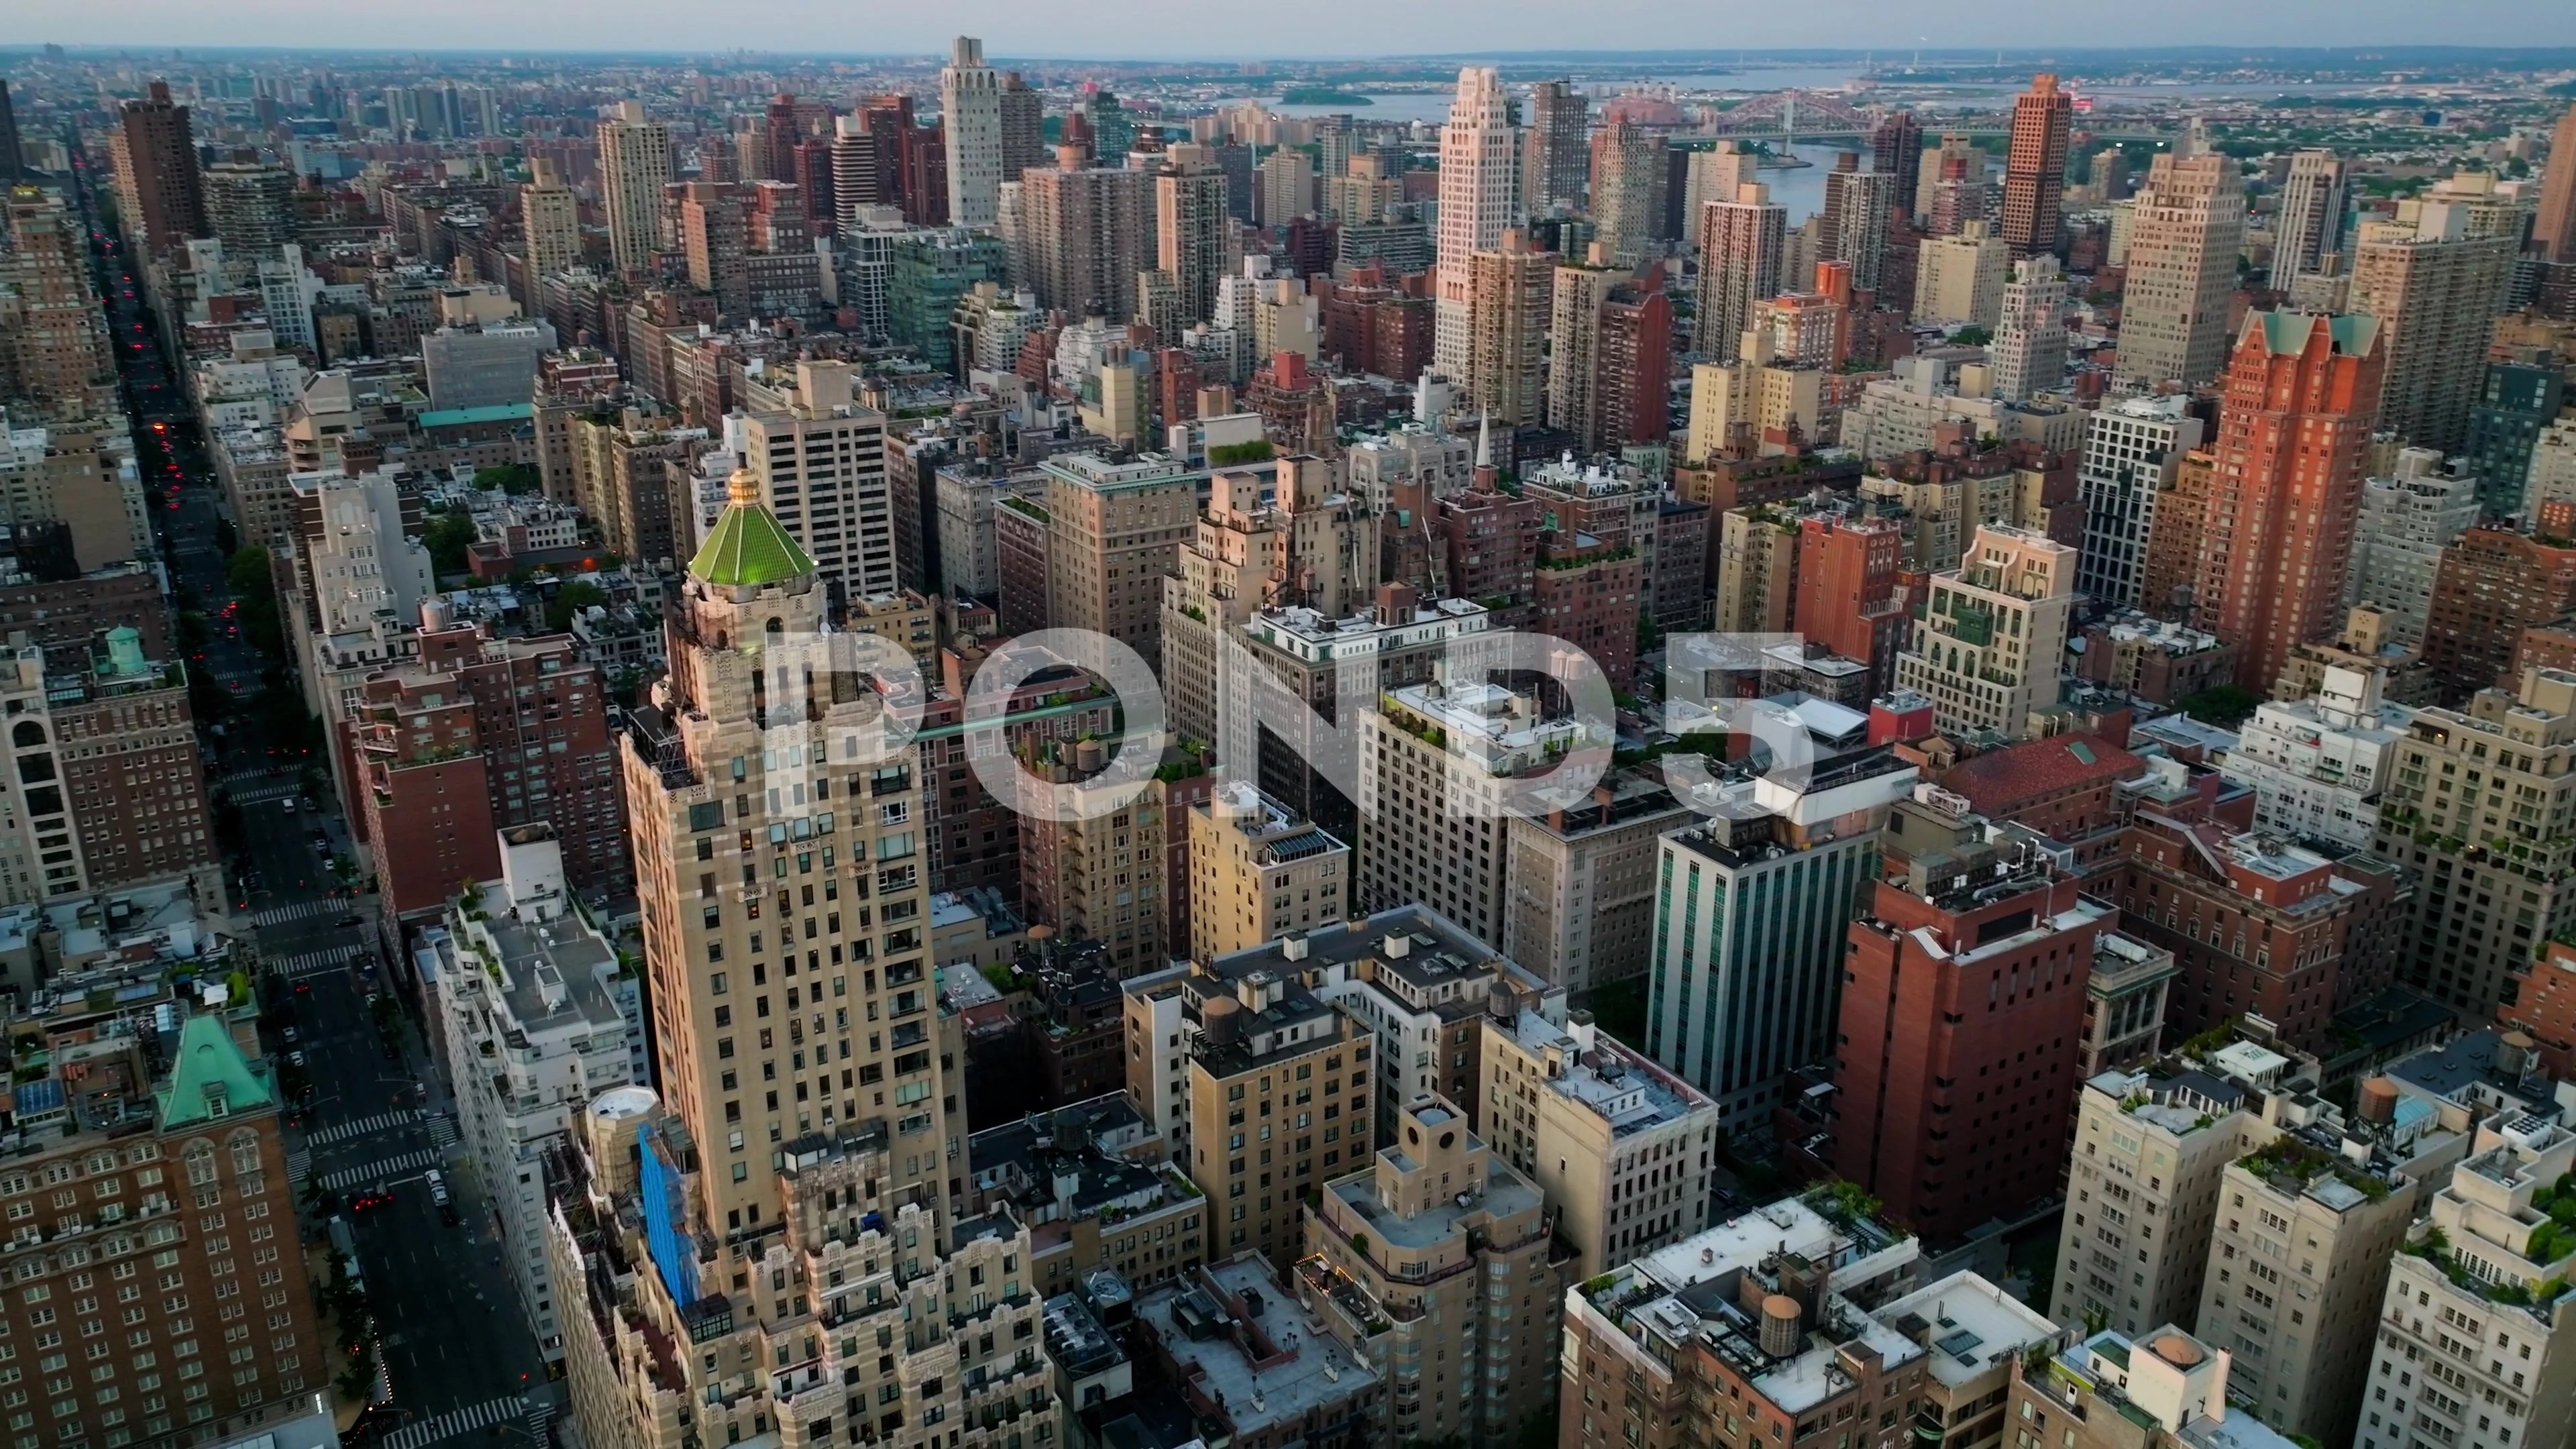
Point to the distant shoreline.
(1322, 96)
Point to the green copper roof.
(749, 547)
(2288, 333)
(210, 1077)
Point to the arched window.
(200, 1157)
(28, 732)
(245, 1150)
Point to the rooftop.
(1237, 1361)
(1624, 1088)
(1970, 1326)
(1505, 1194)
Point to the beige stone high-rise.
(1243, 556)
(1190, 223)
(1629, 176)
(634, 166)
(552, 217)
(1088, 231)
(1114, 529)
(2435, 277)
(1507, 297)
(970, 124)
(2187, 226)
(1258, 872)
(1479, 196)
(1742, 242)
(1961, 278)
(1991, 645)
(785, 894)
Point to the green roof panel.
(749, 547)
(209, 1077)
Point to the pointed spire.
(1484, 438)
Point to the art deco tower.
(1477, 200)
(784, 890)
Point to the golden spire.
(743, 488)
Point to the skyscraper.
(2029, 352)
(158, 170)
(1855, 224)
(2435, 278)
(2190, 223)
(1553, 155)
(634, 166)
(2294, 425)
(2309, 228)
(1190, 224)
(725, 793)
(2133, 450)
(13, 162)
(1086, 230)
(1477, 200)
(2553, 232)
(249, 206)
(1507, 316)
(2035, 168)
(1629, 178)
(1023, 126)
(1741, 241)
(1896, 151)
(970, 115)
(552, 218)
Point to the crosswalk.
(374, 1172)
(311, 963)
(298, 911)
(461, 1421)
(381, 1122)
(442, 1132)
(299, 1166)
(262, 792)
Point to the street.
(458, 1353)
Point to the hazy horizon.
(1325, 30)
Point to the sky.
(1166, 29)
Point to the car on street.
(373, 1198)
(295, 1059)
(437, 1187)
(287, 805)
(448, 1214)
(290, 1036)
(351, 920)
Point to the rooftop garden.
(2434, 1246)
(1230, 455)
(2290, 1164)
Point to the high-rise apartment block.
(2132, 451)
(1257, 872)
(1629, 175)
(2189, 224)
(2481, 803)
(2408, 521)
(1962, 1009)
(2435, 279)
(1112, 530)
(1265, 1089)
(2029, 353)
(226, 1343)
(1763, 892)
(1506, 300)
(1189, 227)
(2553, 230)
(1992, 643)
(821, 467)
(1084, 232)
(1440, 1266)
(2470, 1313)
(1743, 240)
(2491, 585)
(2307, 231)
(634, 165)
(1961, 277)
(2035, 167)
(1581, 882)
(1436, 762)
(1271, 536)
(2316, 766)
(2294, 428)
(156, 171)
(1553, 154)
(970, 123)
(1622, 1148)
(1857, 205)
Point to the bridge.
(1793, 115)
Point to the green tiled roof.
(495, 413)
(208, 1070)
(749, 547)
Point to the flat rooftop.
(1970, 1327)
(1505, 1193)
(1288, 1385)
